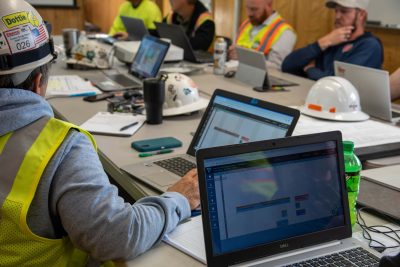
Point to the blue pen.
(84, 94)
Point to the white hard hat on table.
(334, 98)
(181, 95)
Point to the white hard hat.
(91, 54)
(25, 42)
(181, 95)
(362, 4)
(334, 98)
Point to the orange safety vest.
(200, 20)
(265, 38)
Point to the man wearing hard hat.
(348, 42)
(57, 205)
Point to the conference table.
(116, 152)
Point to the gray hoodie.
(75, 197)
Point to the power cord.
(377, 229)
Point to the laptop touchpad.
(162, 178)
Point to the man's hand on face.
(188, 186)
(232, 54)
(335, 37)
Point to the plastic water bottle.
(220, 50)
(352, 169)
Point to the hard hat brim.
(348, 116)
(202, 103)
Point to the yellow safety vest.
(200, 20)
(24, 155)
(265, 38)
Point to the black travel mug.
(154, 97)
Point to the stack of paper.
(363, 134)
(113, 123)
(188, 238)
(69, 85)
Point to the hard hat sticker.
(20, 18)
(20, 39)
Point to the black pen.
(128, 126)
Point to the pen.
(164, 151)
(128, 126)
(84, 94)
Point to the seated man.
(146, 10)
(348, 42)
(395, 84)
(58, 207)
(265, 31)
(196, 21)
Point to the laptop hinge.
(293, 253)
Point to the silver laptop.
(252, 70)
(135, 28)
(279, 202)
(146, 64)
(373, 86)
(229, 119)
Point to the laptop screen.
(149, 57)
(230, 121)
(267, 196)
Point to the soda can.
(220, 50)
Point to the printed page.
(69, 85)
(113, 123)
(363, 134)
(188, 238)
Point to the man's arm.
(118, 25)
(204, 36)
(395, 84)
(367, 54)
(97, 220)
(281, 49)
(295, 62)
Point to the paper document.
(363, 134)
(112, 123)
(188, 238)
(69, 85)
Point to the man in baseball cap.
(348, 42)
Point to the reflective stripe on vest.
(265, 38)
(23, 159)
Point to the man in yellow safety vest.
(264, 30)
(196, 21)
(57, 206)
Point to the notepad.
(111, 123)
(188, 238)
(69, 85)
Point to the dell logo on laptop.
(284, 245)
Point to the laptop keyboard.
(352, 257)
(178, 165)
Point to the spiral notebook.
(107, 123)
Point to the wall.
(61, 18)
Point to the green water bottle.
(352, 169)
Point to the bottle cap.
(348, 146)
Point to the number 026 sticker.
(20, 40)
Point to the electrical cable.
(377, 229)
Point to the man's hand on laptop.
(188, 186)
(123, 36)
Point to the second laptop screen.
(233, 122)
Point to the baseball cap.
(362, 4)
